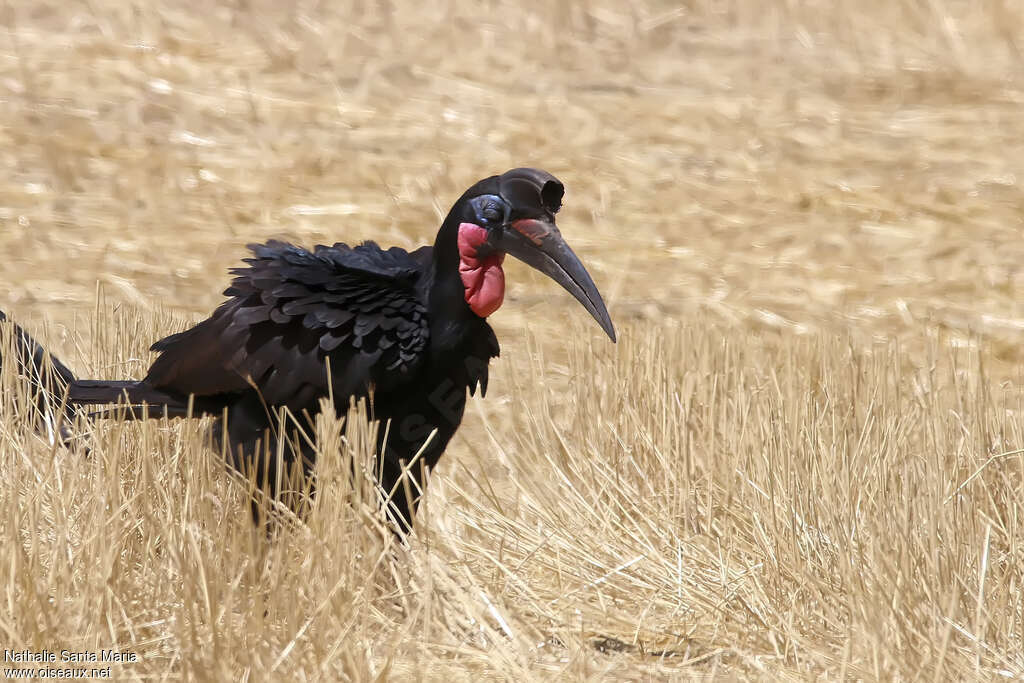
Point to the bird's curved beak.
(538, 243)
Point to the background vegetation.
(800, 461)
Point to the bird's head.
(514, 213)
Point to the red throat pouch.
(483, 278)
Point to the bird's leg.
(278, 468)
(403, 481)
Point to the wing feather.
(289, 310)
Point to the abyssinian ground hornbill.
(406, 330)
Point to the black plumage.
(47, 379)
(405, 330)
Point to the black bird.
(405, 330)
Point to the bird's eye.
(490, 213)
(489, 210)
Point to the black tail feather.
(97, 391)
(50, 381)
(42, 369)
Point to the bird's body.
(405, 330)
(362, 314)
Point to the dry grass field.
(801, 460)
